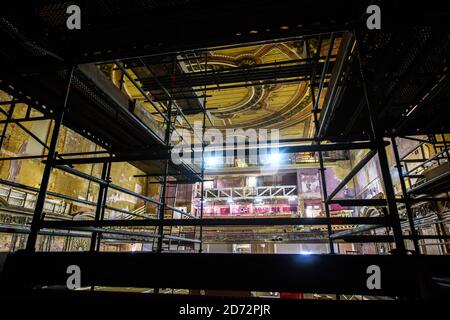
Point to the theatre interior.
(338, 160)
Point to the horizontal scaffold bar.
(219, 222)
(401, 275)
(247, 150)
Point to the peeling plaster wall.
(368, 181)
(17, 142)
(335, 174)
(310, 188)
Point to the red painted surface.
(290, 295)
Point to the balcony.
(248, 193)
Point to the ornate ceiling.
(282, 106)
(285, 106)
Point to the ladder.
(171, 199)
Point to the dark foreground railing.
(406, 276)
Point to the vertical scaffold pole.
(101, 203)
(409, 211)
(8, 119)
(202, 196)
(38, 215)
(315, 110)
(377, 138)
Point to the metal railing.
(27, 200)
(264, 192)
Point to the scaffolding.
(104, 182)
(125, 131)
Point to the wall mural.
(309, 185)
(14, 168)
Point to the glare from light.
(252, 182)
(273, 159)
(212, 162)
(305, 252)
(230, 200)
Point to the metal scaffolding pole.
(377, 138)
(440, 228)
(202, 196)
(38, 215)
(444, 141)
(8, 120)
(219, 222)
(31, 134)
(315, 103)
(101, 205)
(100, 209)
(405, 196)
(351, 174)
(162, 199)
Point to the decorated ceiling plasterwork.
(286, 106)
